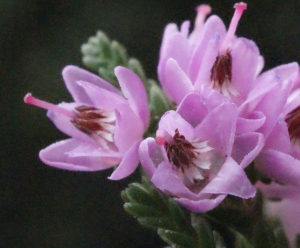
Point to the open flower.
(196, 156)
(280, 158)
(105, 128)
(211, 56)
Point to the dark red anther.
(181, 152)
(88, 119)
(221, 72)
(293, 122)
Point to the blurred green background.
(46, 207)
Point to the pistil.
(203, 11)
(29, 99)
(221, 72)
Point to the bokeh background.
(46, 207)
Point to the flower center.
(221, 72)
(99, 124)
(293, 122)
(93, 121)
(181, 153)
(190, 158)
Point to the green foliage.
(103, 55)
(173, 224)
(235, 223)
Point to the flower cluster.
(227, 115)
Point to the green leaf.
(219, 242)
(263, 235)
(155, 223)
(204, 232)
(177, 239)
(297, 241)
(155, 210)
(281, 238)
(147, 196)
(139, 210)
(159, 103)
(241, 241)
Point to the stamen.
(293, 122)
(91, 120)
(192, 159)
(29, 99)
(239, 9)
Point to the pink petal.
(245, 58)
(218, 128)
(129, 163)
(71, 74)
(172, 121)
(178, 48)
(231, 180)
(74, 155)
(192, 109)
(202, 205)
(177, 85)
(209, 58)
(279, 166)
(246, 147)
(134, 90)
(271, 108)
(279, 138)
(101, 98)
(150, 155)
(166, 179)
(213, 27)
(129, 128)
(250, 124)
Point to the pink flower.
(196, 156)
(105, 128)
(209, 56)
(280, 159)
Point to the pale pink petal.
(134, 90)
(170, 50)
(245, 58)
(202, 205)
(254, 121)
(177, 84)
(172, 121)
(213, 27)
(231, 180)
(74, 155)
(150, 155)
(129, 163)
(246, 147)
(167, 180)
(101, 98)
(192, 109)
(71, 74)
(129, 128)
(279, 166)
(218, 128)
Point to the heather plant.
(216, 140)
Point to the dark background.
(45, 207)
